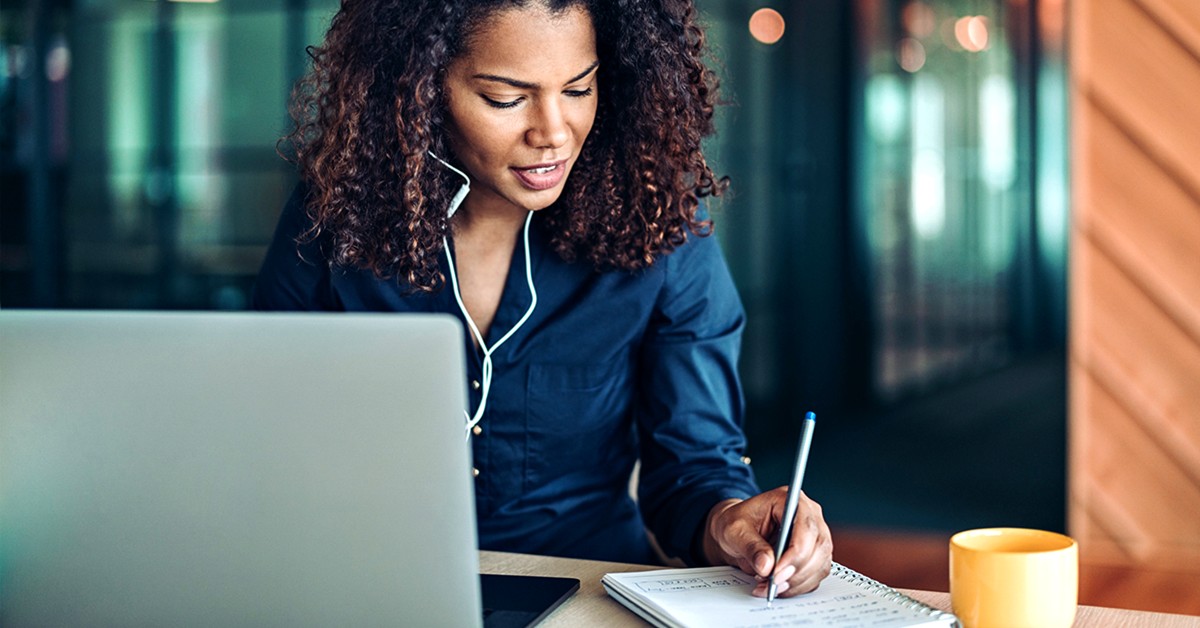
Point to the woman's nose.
(548, 129)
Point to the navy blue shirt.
(610, 368)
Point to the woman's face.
(522, 100)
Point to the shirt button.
(477, 430)
(474, 472)
(474, 384)
(745, 459)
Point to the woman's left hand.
(737, 534)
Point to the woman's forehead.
(531, 42)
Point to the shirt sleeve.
(295, 274)
(689, 403)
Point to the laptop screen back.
(234, 469)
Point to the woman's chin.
(537, 201)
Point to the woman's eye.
(502, 104)
(578, 93)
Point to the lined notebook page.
(720, 596)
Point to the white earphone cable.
(486, 384)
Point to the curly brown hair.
(372, 109)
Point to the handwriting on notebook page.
(721, 597)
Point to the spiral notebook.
(720, 596)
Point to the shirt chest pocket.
(577, 416)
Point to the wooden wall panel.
(1178, 17)
(1147, 80)
(1135, 282)
(1124, 182)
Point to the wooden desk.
(591, 606)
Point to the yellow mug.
(1014, 577)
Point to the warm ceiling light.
(972, 33)
(910, 55)
(919, 19)
(766, 25)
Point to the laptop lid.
(234, 469)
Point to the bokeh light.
(971, 32)
(919, 19)
(58, 60)
(766, 25)
(910, 54)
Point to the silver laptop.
(176, 469)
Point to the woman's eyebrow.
(526, 85)
(584, 73)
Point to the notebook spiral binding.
(878, 588)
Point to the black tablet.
(520, 601)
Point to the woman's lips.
(541, 176)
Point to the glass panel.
(941, 197)
(175, 184)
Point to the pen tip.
(811, 416)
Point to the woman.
(535, 169)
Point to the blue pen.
(793, 498)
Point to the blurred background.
(898, 224)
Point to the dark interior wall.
(802, 289)
(816, 293)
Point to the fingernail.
(781, 587)
(760, 562)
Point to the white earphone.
(486, 385)
(462, 191)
